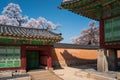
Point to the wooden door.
(32, 60)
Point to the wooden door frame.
(46, 48)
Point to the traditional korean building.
(26, 48)
(107, 12)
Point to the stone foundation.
(14, 75)
(5, 74)
(19, 77)
(10, 73)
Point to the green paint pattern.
(112, 29)
(33, 42)
(9, 57)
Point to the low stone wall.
(14, 75)
(17, 77)
(70, 54)
(5, 74)
(11, 73)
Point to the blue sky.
(72, 24)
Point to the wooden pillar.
(101, 33)
(102, 63)
(112, 59)
(49, 62)
(23, 58)
(49, 59)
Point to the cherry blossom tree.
(4, 20)
(7, 21)
(32, 23)
(89, 36)
(51, 26)
(41, 23)
(12, 15)
(14, 12)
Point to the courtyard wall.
(72, 54)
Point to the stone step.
(43, 75)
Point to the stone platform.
(43, 75)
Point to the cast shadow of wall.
(76, 62)
(55, 61)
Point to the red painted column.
(49, 62)
(23, 58)
(101, 33)
(49, 59)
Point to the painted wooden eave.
(94, 9)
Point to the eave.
(94, 9)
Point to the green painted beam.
(32, 42)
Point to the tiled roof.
(28, 33)
(75, 46)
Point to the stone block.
(17, 77)
(5, 74)
(102, 63)
(22, 78)
(82, 74)
(50, 69)
(118, 76)
(22, 71)
(100, 77)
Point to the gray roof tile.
(30, 33)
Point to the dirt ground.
(85, 73)
(69, 73)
